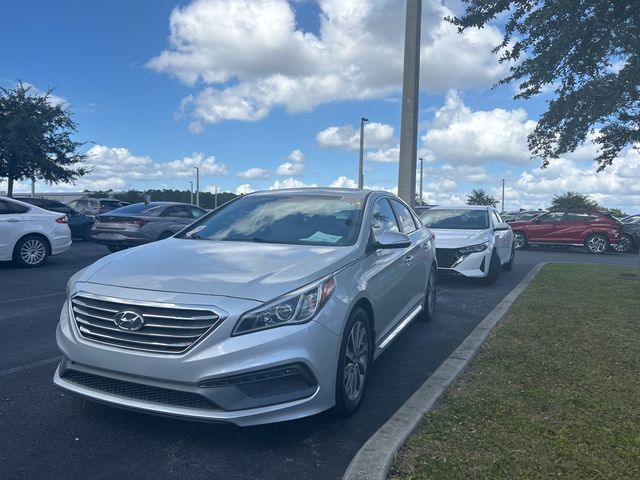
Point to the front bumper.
(223, 375)
(473, 265)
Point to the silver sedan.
(271, 308)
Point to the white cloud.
(251, 56)
(296, 156)
(347, 137)
(244, 189)
(460, 135)
(255, 173)
(386, 155)
(290, 183)
(185, 167)
(344, 182)
(290, 169)
(53, 100)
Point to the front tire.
(354, 363)
(494, 270)
(31, 251)
(597, 244)
(115, 248)
(86, 233)
(429, 307)
(625, 245)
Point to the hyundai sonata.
(271, 308)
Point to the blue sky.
(268, 93)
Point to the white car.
(471, 241)
(29, 234)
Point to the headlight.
(299, 306)
(481, 247)
(74, 278)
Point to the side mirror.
(501, 226)
(391, 239)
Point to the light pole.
(191, 191)
(361, 161)
(503, 195)
(410, 97)
(421, 177)
(197, 186)
(215, 198)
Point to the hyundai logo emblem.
(128, 320)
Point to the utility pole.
(215, 198)
(197, 186)
(191, 191)
(421, 177)
(410, 98)
(33, 187)
(503, 195)
(361, 161)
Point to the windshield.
(633, 219)
(456, 219)
(291, 219)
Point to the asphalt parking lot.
(45, 433)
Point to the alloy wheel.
(597, 244)
(518, 241)
(624, 246)
(33, 251)
(356, 361)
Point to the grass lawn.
(554, 393)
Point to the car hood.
(255, 271)
(449, 238)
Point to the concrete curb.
(375, 458)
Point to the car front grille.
(166, 329)
(137, 391)
(447, 257)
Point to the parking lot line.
(11, 300)
(38, 363)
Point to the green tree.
(616, 212)
(35, 138)
(587, 51)
(480, 197)
(573, 200)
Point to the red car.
(591, 229)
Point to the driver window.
(382, 218)
(551, 217)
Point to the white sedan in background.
(471, 241)
(29, 234)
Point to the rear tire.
(625, 245)
(354, 363)
(86, 233)
(494, 270)
(115, 248)
(597, 244)
(519, 241)
(31, 251)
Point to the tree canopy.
(587, 52)
(35, 138)
(576, 200)
(480, 197)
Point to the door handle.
(12, 220)
(408, 259)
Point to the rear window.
(111, 203)
(140, 209)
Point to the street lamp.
(361, 161)
(191, 191)
(197, 186)
(215, 197)
(502, 195)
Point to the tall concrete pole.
(191, 191)
(197, 186)
(361, 160)
(502, 205)
(421, 177)
(215, 204)
(410, 93)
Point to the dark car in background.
(95, 206)
(79, 223)
(594, 230)
(631, 234)
(141, 223)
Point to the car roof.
(27, 205)
(329, 192)
(461, 207)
